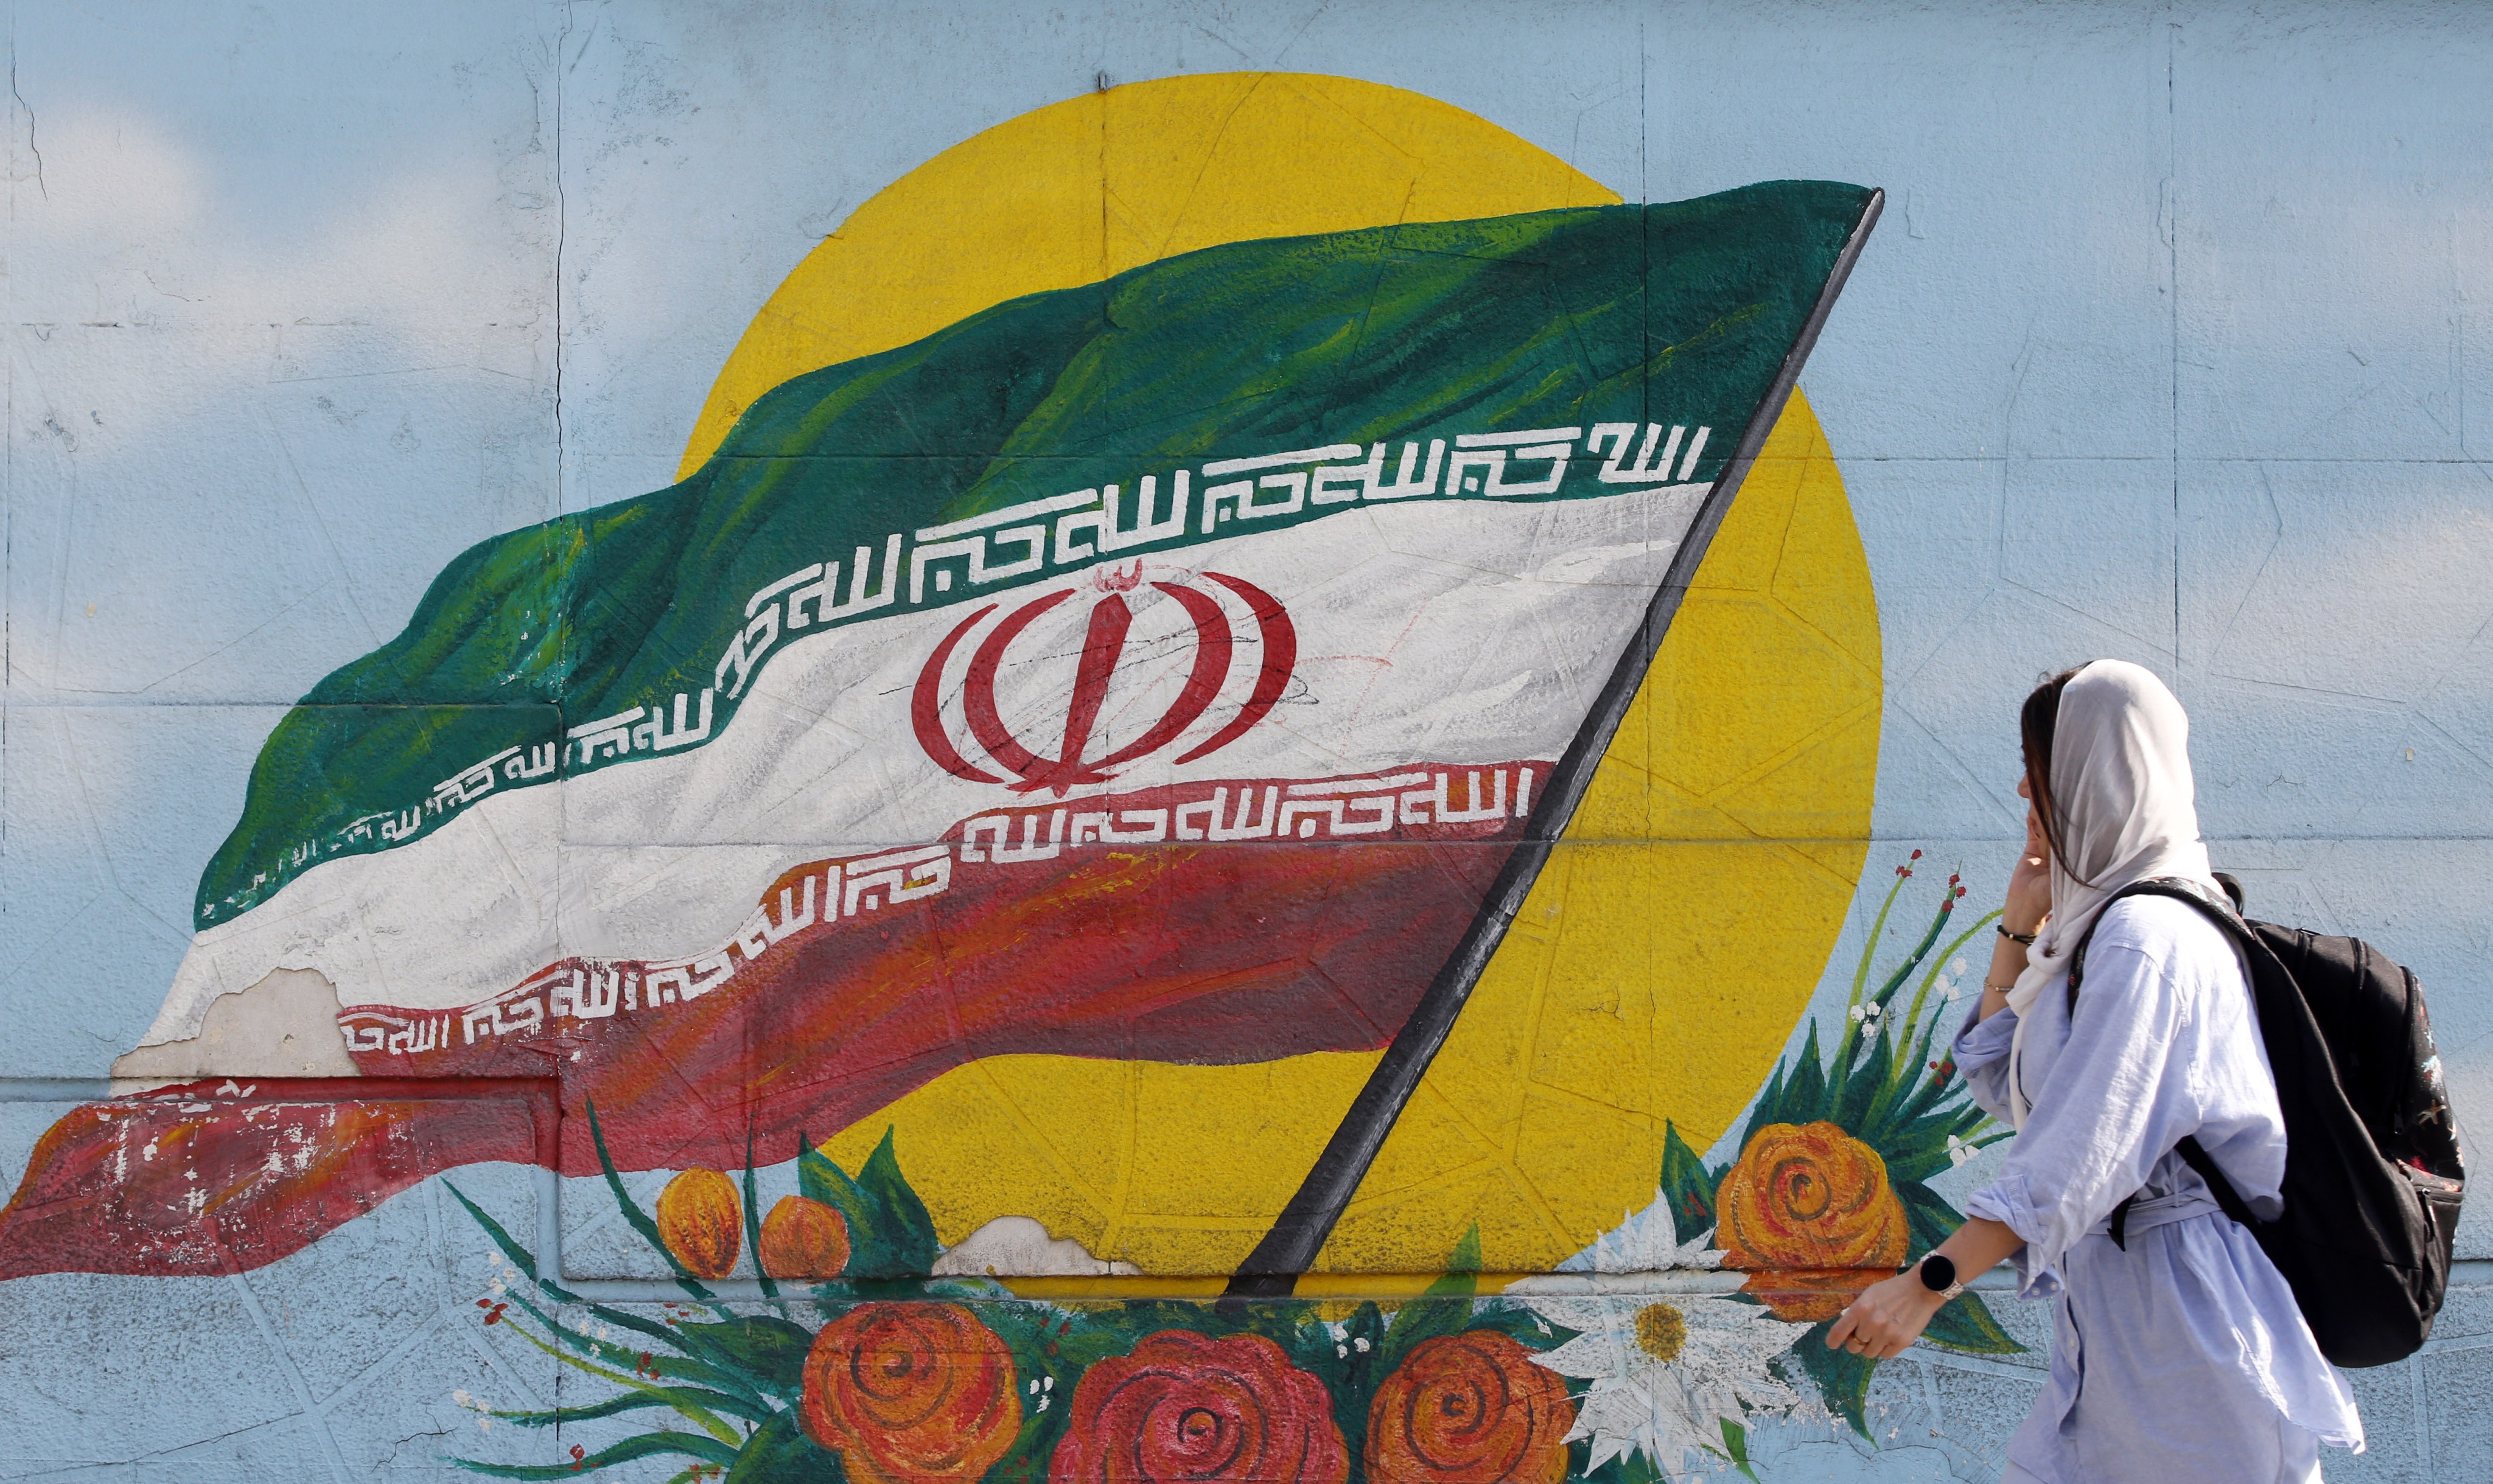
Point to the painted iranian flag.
(1193, 666)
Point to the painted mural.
(853, 1356)
(1217, 785)
(923, 741)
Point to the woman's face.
(2036, 847)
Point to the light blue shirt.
(2185, 1353)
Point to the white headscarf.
(2125, 811)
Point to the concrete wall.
(2167, 347)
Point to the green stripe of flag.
(1418, 333)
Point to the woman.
(2182, 1355)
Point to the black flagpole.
(1272, 1270)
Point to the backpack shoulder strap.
(2218, 1185)
(2219, 912)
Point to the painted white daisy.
(1667, 1369)
(1646, 1243)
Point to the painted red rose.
(1469, 1408)
(911, 1393)
(1186, 1406)
(1810, 1213)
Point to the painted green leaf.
(1517, 1324)
(672, 1397)
(1686, 1186)
(521, 1257)
(1736, 1446)
(1966, 1323)
(818, 1178)
(753, 1220)
(1804, 1093)
(638, 1217)
(1033, 1448)
(780, 1453)
(769, 1349)
(892, 1239)
(1929, 1218)
(620, 1355)
(1356, 1369)
(891, 1235)
(904, 1232)
(644, 1445)
(1443, 1308)
(1843, 1377)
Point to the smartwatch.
(1938, 1275)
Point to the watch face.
(1937, 1273)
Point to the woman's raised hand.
(2030, 884)
(2029, 902)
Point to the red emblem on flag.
(1103, 648)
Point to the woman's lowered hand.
(1891, 1314)
(1889, 1317)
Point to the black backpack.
(2372, 1173)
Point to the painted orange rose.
(1188, 1406)
(1809, 1210)
(701, 1222)
(803, 1238)
(1469, 1408)
(911, 1393)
